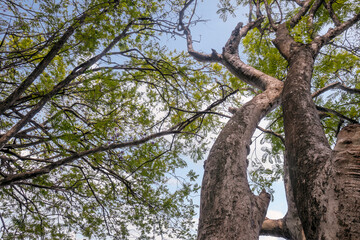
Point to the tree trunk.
(229, 210)
(346, 183)
(324, 184)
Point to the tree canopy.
(97, 114)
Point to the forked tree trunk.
(325, 183)
(229, 210)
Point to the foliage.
(106, 121)
(337, 62)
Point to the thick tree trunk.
(229, 210)
(307, 149)
(318, 176)
(346, 160)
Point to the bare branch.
(275, 228)
(240, 31)
(337, 85)
(272, 133)
(241, 70)
(297, 17)
(202, 57)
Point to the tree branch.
(241, 70)
(202, 57)
(275, 228)
(10, 179)
(333, 32)
(10, 100)
(272, 133)
(297, 17)
(74, 74)
(334, 18)
(341, 116)
(315, 7)
(268, 12)
(336, 85)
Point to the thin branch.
(333, 32)
(334, 18)
(325, 89)
(297, 17)
(336, 85)
(341, 116)
(268, 12)
(272, 133)
(202, 57)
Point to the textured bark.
(229, 210)
(275, 228)
(324, 184)
(291, 220)
(346, 160)
(307, 149)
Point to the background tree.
(303, 59)
(96, 116)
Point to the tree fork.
(229, 210)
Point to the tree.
(96, 116)
(303, 59)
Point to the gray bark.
(229, 210)
(324, 182)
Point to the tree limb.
(336, 85)
(10, 100)
(272, 133)
(77, 71)
(333, 32)
(334, 18)
(275, 228)
(297, 17)
(341, 116)
(10, 179)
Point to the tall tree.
(303, 59)
(96, 116)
